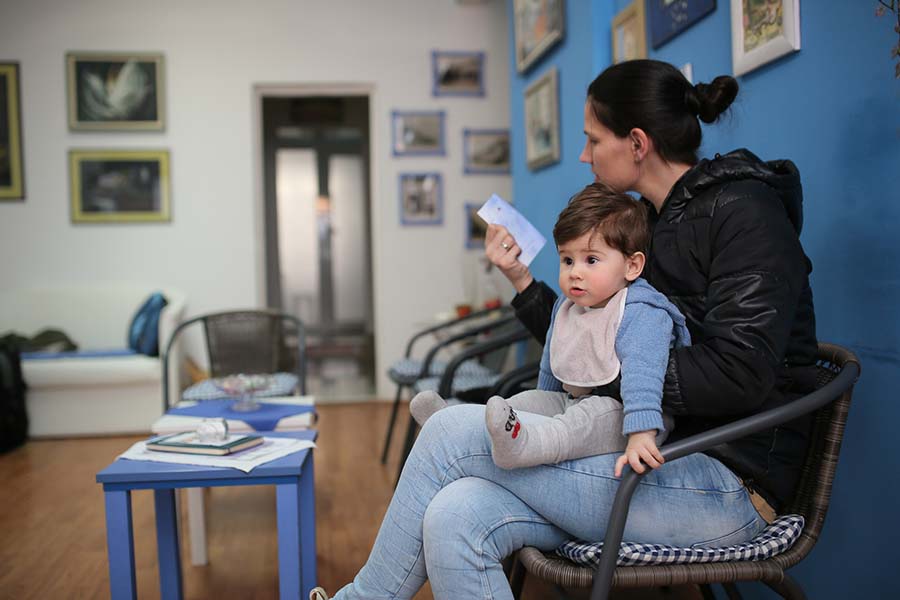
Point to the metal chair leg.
(390, 429)
(732, 591)
(411, 430)
(517, 574)
(706, 592)
(787, 588)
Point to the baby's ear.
(634, 265)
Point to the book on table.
(190, 443)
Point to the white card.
(497, 211)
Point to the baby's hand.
(641, 446)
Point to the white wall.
(215, 52)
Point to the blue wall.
(832, 108)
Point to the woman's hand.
(501, 249)
(641, 446)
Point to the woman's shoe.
(318, 594)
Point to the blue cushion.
(773, 540)
(143, 333)
(283, 384)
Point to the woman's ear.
(641, 144)
(634, 265)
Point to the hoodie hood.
(739, 165)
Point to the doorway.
(318, 264)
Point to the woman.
(725, 250)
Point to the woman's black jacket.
(725, 249)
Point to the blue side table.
(292, 475)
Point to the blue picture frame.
(476, 228)
(457, 73)
(417, 132)
(421, 197)
(486, 151)
(668, 18)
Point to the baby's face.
(590, 272)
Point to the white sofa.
(75, 396)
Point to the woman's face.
(611, 157)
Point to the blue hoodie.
(650, 326)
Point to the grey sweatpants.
(584, 426)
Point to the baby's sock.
(425, 404)
(514, 444)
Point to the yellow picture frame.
(120, 186)
(629, 33)
(12, 172)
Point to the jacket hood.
(780, 175)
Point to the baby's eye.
(567, 261)
(592, 260)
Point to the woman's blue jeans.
(455, 515)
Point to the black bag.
(13, 418)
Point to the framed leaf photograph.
(542, 121)
(762, 31)
(119, 186)
(421, 199)
(12, 173)
(539, 25)
(115, 91)
(418, 132)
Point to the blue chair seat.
(774, 539)
(283, 384)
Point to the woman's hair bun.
(709, 100)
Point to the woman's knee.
(454, 422)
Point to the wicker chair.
(838, 370)
(247, 341)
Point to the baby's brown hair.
(619, 218)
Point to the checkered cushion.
(283, 384)
(462, 382)
(774, 539)
(406, 370)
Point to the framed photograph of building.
(12, 172)
(629, 37)
(418, 133)
(115, 91)
(761, 31)
(119, 186)
(421, 199)
(457, 73)
(542, 121)
(486, 151)
(476, 228)
(539, 25)
(668, 18)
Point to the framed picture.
(539, 25)
(457, 73)
(542, 121)
(763, 30)
(476, 228)
(668, 18)
(629, 33)
(418, 133)
(115, 91)
(421, 199)
(119, 186)
(486, 151)
(12, 178)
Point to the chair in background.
(406, 371)
(246, 341)
(838, 370)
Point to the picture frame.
(421, 198)
(457, 73)
(539, 25)
(115, 91)
(669, 18)
(417, 132)
(476, 228)
(629, 33)
(486, 151)
(119, 186)
(12, 171)
(762, 31)
(542, 121)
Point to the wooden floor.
(53, 536)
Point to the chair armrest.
(515, 378)
(472, 331)
(703, 441)
(445, 388)
(472, 315)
